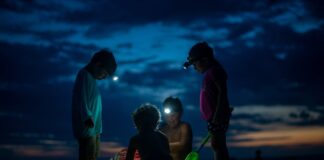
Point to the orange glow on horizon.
(283, 137)
(108, 149)
(58, 149)
(39, 151)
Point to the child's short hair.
(146, 117)
(201, 50)
(174, 104)
(107, 60)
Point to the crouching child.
(150, 143)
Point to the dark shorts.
(89, 148)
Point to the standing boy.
(86, 103)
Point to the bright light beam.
(115, 78)
(167, 110)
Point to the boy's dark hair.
(200, 50)
(106, 59)
(174, 103)
(146, 117)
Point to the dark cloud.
(100, 31)
(125, 45)
(130, 11)
(155, 74)
(305, 118)
(25, 64)
(29, 101)
(17, 6)
(316, 8)
(137, 60)
(260, 139)
(258, 70)
(256, 119)
(111, 16)
(53, 35)
(32, 6)
(36, 64)
(303, 114)
(235, 129)
(46, 36)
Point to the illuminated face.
(172, 118)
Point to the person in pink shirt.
(214, 104)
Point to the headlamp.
(115, 78)
(186, 65)
(190, 61)
(167, 110)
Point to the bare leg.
(219, 146)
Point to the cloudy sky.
(271, 49)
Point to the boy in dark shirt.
(150, 143)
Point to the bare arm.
(185, 139)
(131, 149)
(214, 93)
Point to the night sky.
(272, 50)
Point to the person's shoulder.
(216, 73)
(134, 137)
(162, 126)
(210, 73)
(220, 70)
(185, 125)
(158, 132)
(83, 73)
(161, 134)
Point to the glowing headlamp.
(186, 65)
(167, 110)
(190, 61)
(115, 78)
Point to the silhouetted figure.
(214, 104)
(86, 103)
(150, 143)
(179, 133)
(258, 155)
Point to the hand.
(89, 123)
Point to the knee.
(218, 143)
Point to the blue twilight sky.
(271, 49)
